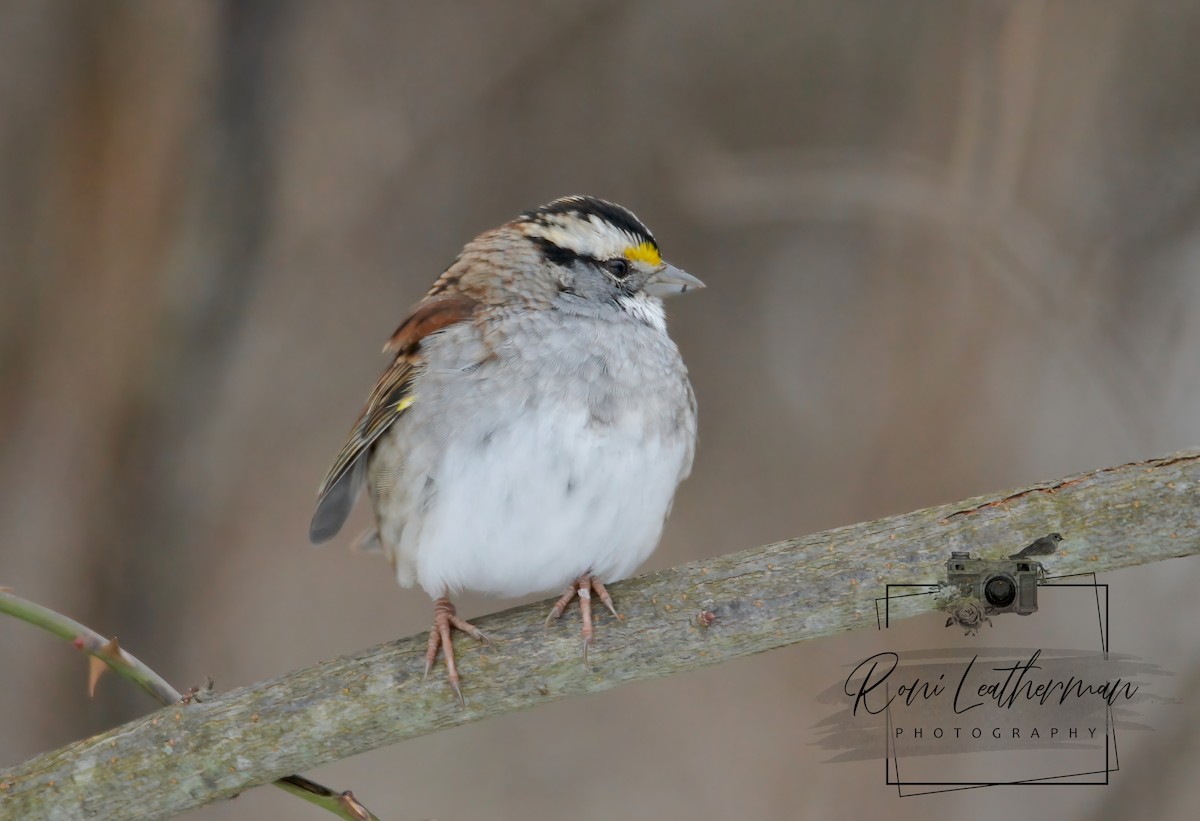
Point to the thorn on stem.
(352, 806)
(108, 653)
(96, 668)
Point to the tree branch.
(101, 651)
(691, 616)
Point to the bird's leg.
(604, 597)
(583, 587)
(445, 618)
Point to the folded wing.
(389, 400)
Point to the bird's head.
(599, 252)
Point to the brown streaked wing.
(431, 315)
(385, 405)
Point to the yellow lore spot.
(644, 252)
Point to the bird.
(1039, 547)
(533, 424)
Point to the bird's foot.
(583, 588)
(444, 620)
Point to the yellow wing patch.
(644, 252)
(405, 403)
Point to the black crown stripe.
(613, 214)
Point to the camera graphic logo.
(1005, 585)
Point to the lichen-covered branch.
(675, 620)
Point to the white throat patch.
(645, 309)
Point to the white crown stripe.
(591, 238)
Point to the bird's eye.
(618, 267)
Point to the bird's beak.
(670, 281)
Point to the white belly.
(539, 504)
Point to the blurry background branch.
(691, 616)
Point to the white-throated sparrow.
(535, 422)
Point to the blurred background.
(951, 247)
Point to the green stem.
(125, 664)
